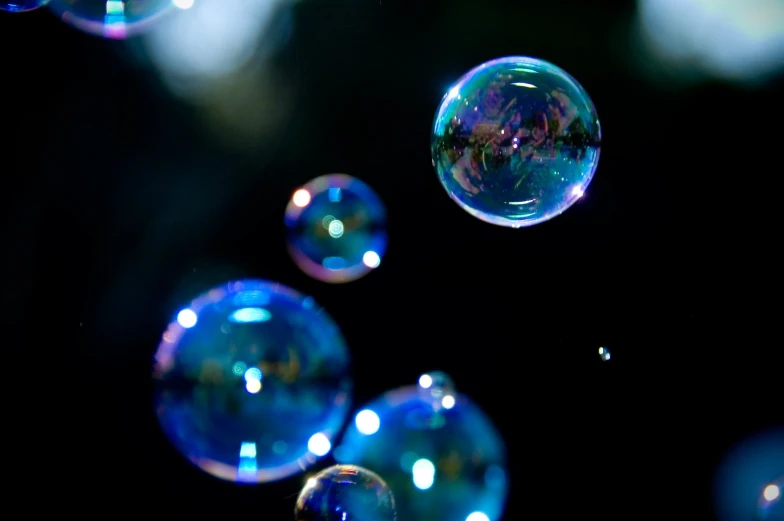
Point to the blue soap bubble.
(18, 6)
(252, 381)
(115, 19)
(336, 227)
(345, 493)
(771, 502)
(437, 451)
(516, 141)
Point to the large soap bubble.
(116, 19)
(516, 141)
(252, 381)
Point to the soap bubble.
(345, 493)
(116, 19)
(252, 381)
(771, 504)
(604, 354)
(516, 141)
(442, 463)
(336, 228)
(18, 6)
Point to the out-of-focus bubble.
(116, 19)
(442, 463)
(736, 41)
(604, 354)
(19, 6)
(744, 480)
(252, 381)
(345, 493)
(516, 141)
(336, 228)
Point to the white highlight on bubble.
(477, 516)
(253, 386)
(367, 422)
(301, 198)
(183, 4)
(187, 318)
(448, 401)
(771, 492)
(319, 444)
(371, 259)
(425, 381)
(578, 191)
(423, 474)
(335, 228)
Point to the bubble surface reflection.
(516, 141)
(19, 6)
(252, 381)
(113, 19)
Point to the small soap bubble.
(19, 6)
(115, 19)
(345, 493)
(516, 141)
(440, 462)
(336, 228)
(260, 400)
(604, 354)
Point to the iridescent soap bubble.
(336, 228)
(345, 493)
(771, 502)
(516, 141)
(252, 381)
(437, 451)
(18, 6)
(114, 19)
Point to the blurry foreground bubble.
(345, 493)
(439, 453)
(18, 6)
(516, 141)
(604, 354)
(114, 19)
(252, 381)
(336, 228)
(747, 480)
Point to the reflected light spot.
(526, 85)
(250, 315)
(183, 4)
(253, 386)
(424, 474)
(367, 422)
(425, 381)
(477, 516)
(319, 445)
(301, 198)
(254, 373)
(247, 449)
(371, 259)
(335, 229)
(578, 191)
(771, 492)
(448, 401)
(187, 318)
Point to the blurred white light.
(448, 401)
(301, 198)
(187, 318)
(253, 386)
(183, 4)
(771, 492)
(319, 444)
(371, 259)
(425, 381)
(367, 422)
(424, 474)
(477, 516)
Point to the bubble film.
(437, 451)
(18, 6)
(345, 493)
(113, 19)
(252, 381)
(516, 141)
(336, 228)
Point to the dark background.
(121, 205)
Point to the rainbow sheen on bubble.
(516, 141)
(438, 452)
(345, 493)
(336, 228)
(114, 19)
(19, 6)
(252, 381)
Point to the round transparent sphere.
(516, 141)
(115, 19)
(336, 228)
(771, 502)
(345, 493)
(252, 381)
(437, 451)
(18, 6)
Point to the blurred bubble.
(336, 228)
(736, 41)
(516, 141)
(442, 463)
(604, 354)
(18, 6)
(116, 19)
(258, 398)
(742, 487)
(345, 493)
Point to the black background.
(121, 206)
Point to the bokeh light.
(771, 505)
(252, 400)
(516, 141)
(604, 354)
(20, 6)
(115, 19)
(336, 228)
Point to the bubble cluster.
(18, 6)
(516, 141)
(113, 19)
(437, 451)
(336, 228)
(252, 381)
(345, 493)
